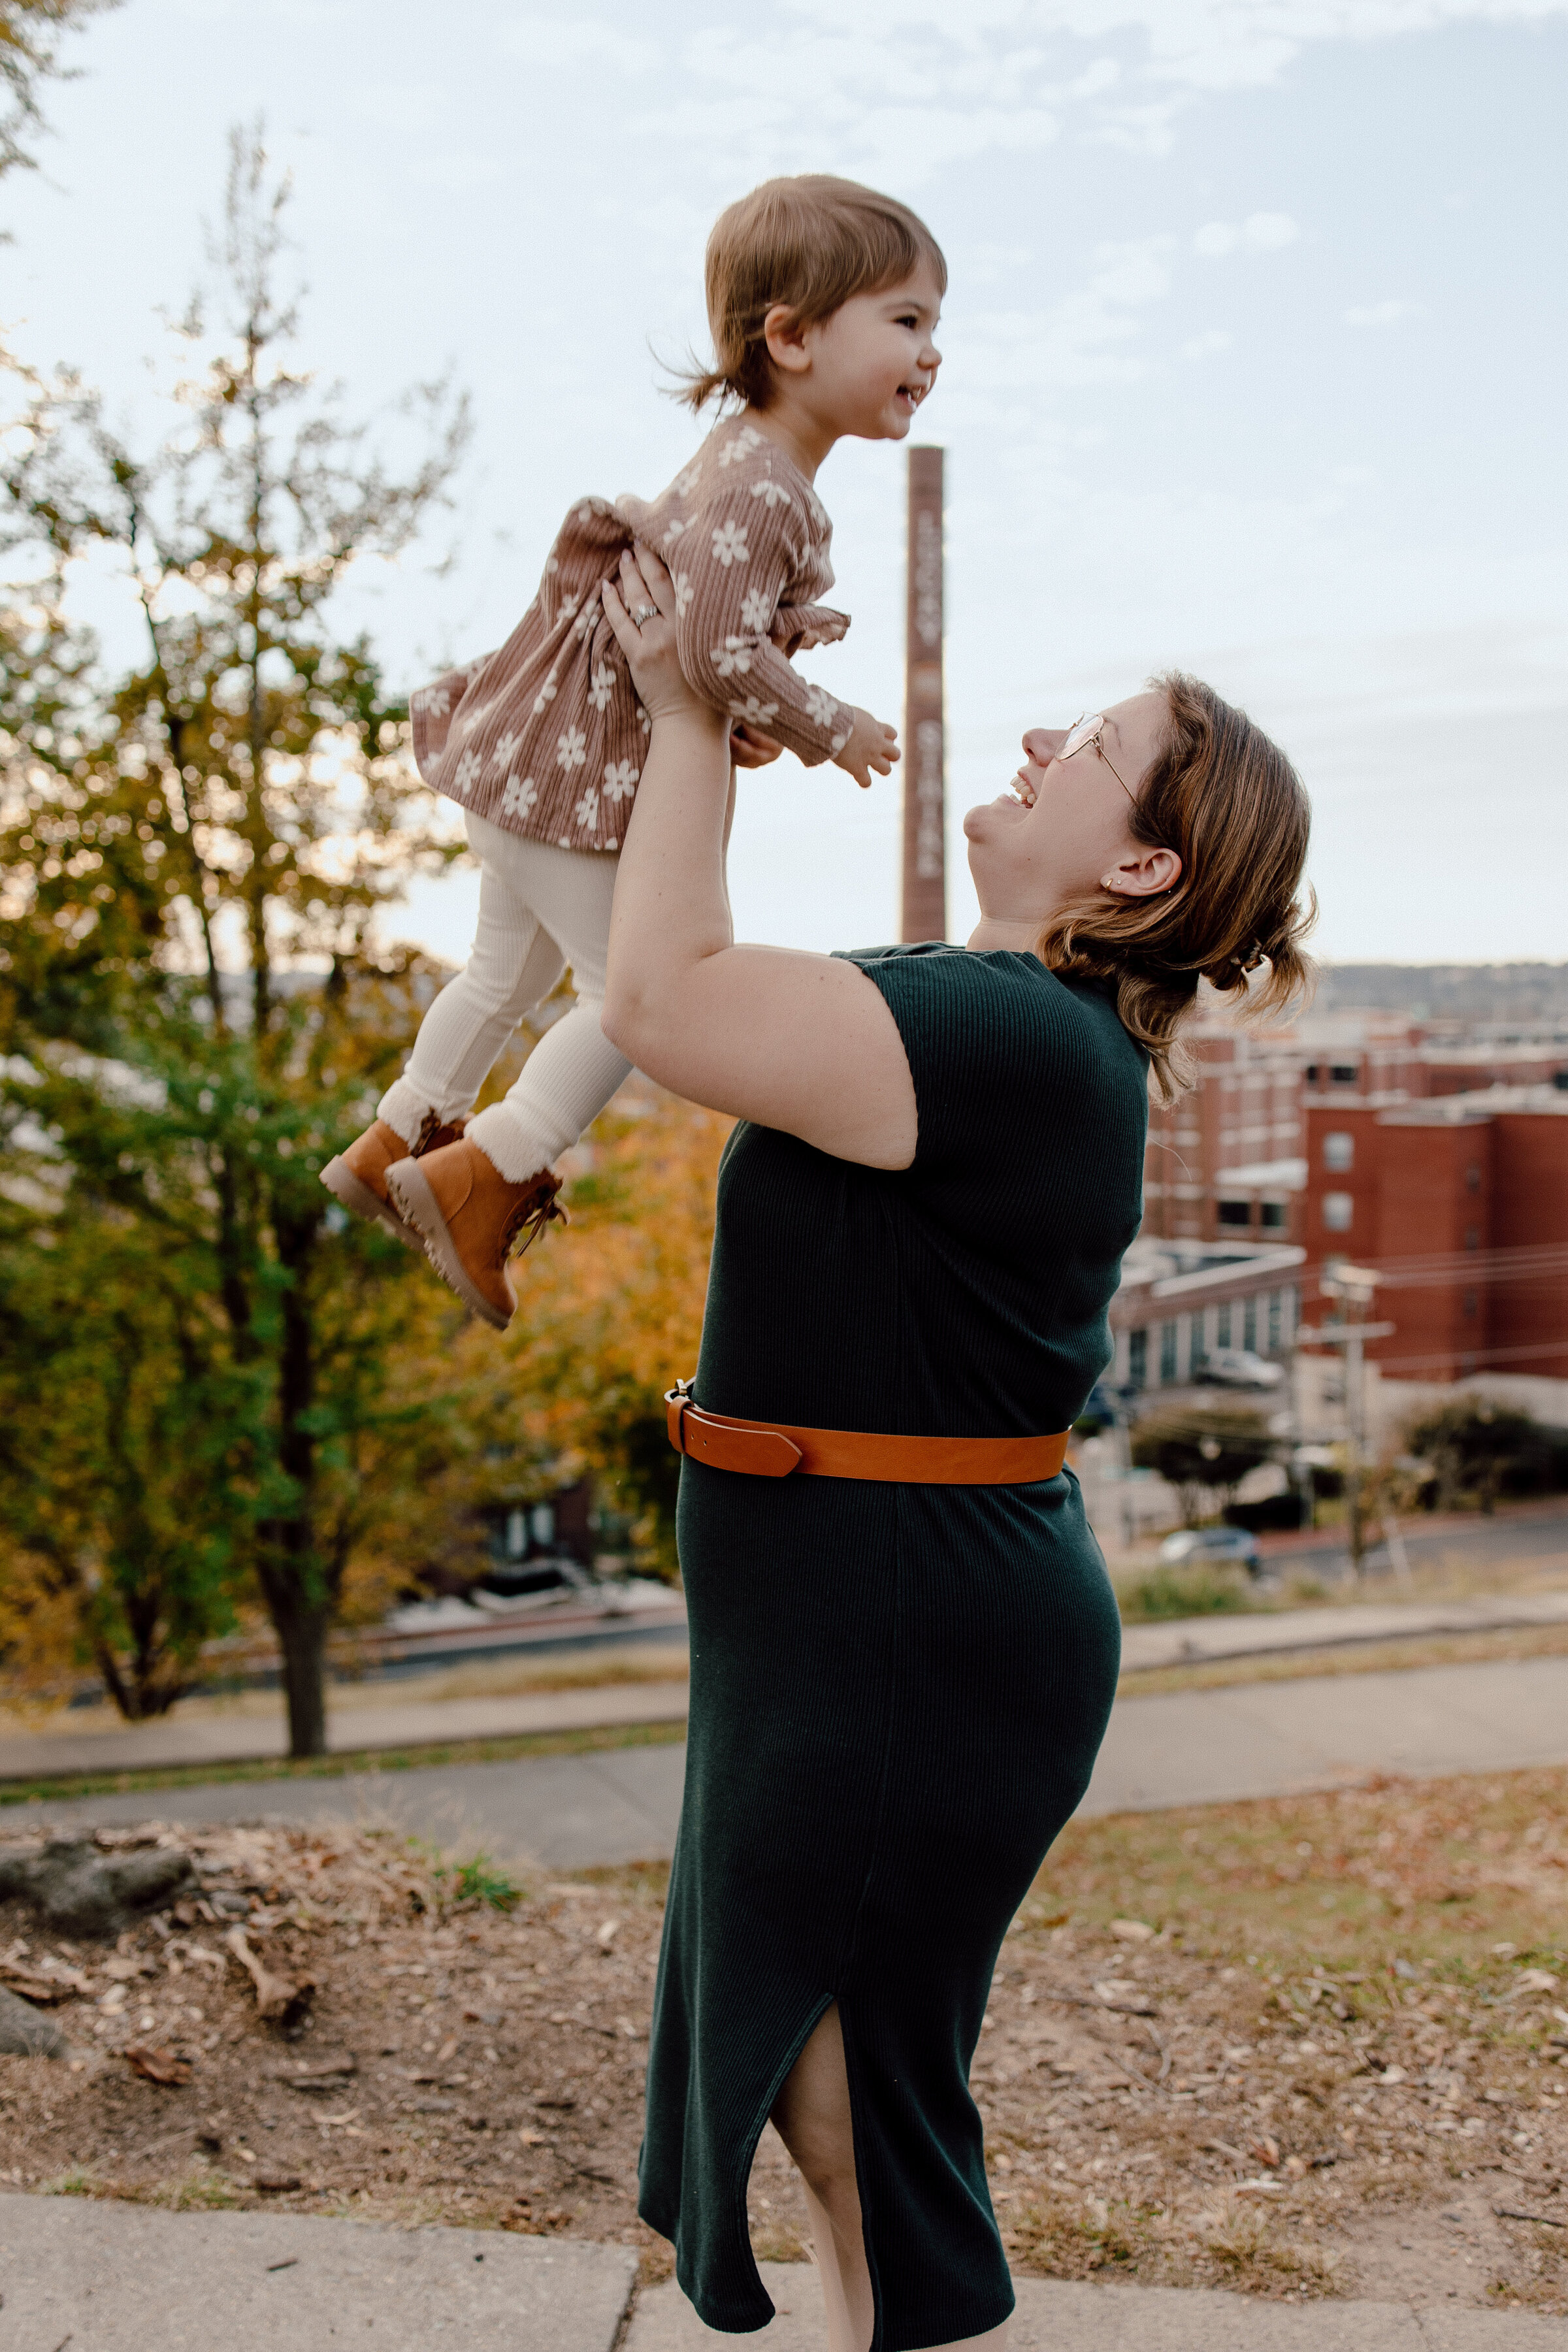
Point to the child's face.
(870, 365)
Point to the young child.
(821, 297)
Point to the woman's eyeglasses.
(1089, 733)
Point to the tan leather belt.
(771, 1449)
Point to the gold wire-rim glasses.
(1088, 729)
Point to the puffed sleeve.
(731, 564)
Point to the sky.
(1254, 348)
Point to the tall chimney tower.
(924, 908)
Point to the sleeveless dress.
(897, 1691)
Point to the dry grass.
(1326, 2062)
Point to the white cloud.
(1382, 314)
(550, 41)
(1258, 233)
(1207, 345)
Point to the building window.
(1339, 1152)
(1167, 1353)
(1138, 1356)
(1313, 1074)
(1339, 1209)
(1343, 1073)
(1222, 1326)
(1235, 1212)
(1274, 1216)
(1249, 1324)
(1274, 1322)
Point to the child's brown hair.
(810, 242)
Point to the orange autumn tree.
(611, 1309)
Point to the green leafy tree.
(1203, 1450)
(1481, 1449)
(192, 856)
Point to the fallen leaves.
(157, 2065)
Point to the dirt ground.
(1314, 2047)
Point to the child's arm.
(731, 567)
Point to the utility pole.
(923, 914)
(1354, 1285)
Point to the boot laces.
(538, 1208)
(432, 1131)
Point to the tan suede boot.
(357, 1177)
(472, 1218)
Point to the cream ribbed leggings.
(541, 908)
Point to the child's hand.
(871, 745)
(750, 748)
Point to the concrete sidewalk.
(366, 1719)
(106, 2277)
(1174, 1747)
(1054, 2316)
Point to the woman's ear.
(784, 335)
(1143, 874)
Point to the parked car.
(1239, 1367)
(1227, 1547)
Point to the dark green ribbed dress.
(896, 1692)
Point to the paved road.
(1176, 1748)
(1536, 1534)
(365, 1721)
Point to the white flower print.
(610, 841)
(546, 694)
(729, 544)
(836, 745)
(551, 565)
(520, 795)
(684, 592)
(820, 706)
(644, 721)
(568, 605)
(620, 780)
(772, 492)
(467, 775)
(602, 686)
(587, 810)
(590, 508)
(672, 530)
(756, 609)
(507, 748)
(732, 659)
(754, 712)
(735, 452)
(572, 748)
(435, 702)
(584, 623)
(686, 483)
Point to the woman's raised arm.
(803, 1042)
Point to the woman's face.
(1062, 831)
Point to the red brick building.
(1460, 1204)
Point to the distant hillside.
(1436, 991)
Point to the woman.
(904, 1646)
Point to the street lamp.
(1353, 1286)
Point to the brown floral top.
(546, 736)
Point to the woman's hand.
(649, 642)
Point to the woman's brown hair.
(810, 242)
(1234, 809)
